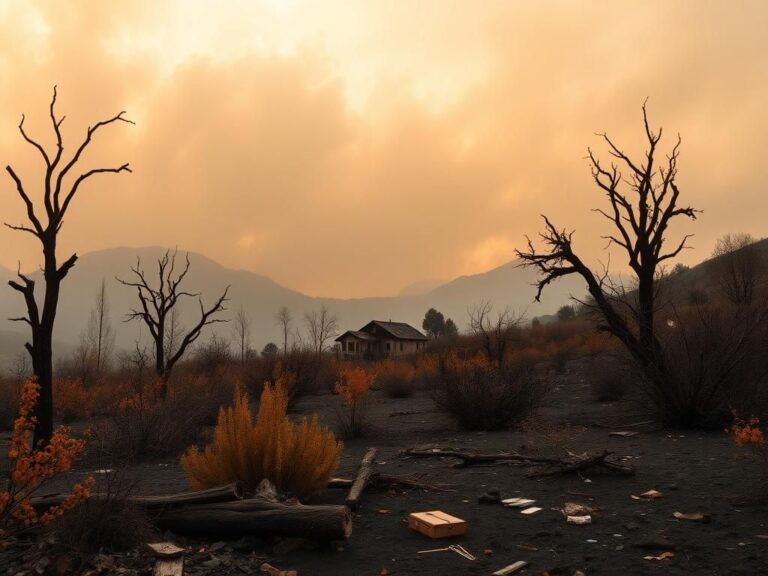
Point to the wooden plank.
(165, 549)
(511, 569)
(169, 567)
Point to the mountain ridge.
(505, 286)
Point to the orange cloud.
(351, 150)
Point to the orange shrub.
(353, 385)
(145, 425)
(30, 469)
(747, 433)
(297, 459)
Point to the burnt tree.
(641, 208)
(59, 187)
(158, 305)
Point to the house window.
(350, 346)
(401, 346)
(389, 346)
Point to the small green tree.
(434, 323)
(450, 328)
(566, 313)
(270, 349)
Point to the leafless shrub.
(107, 522)
(739, 267)
(146, 425)
(716, 355)
(483, 396)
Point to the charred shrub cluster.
(481, 395)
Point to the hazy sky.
(350, 148)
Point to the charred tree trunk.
(157, 309)
(640, 219)
(56, 200)
(227, 493)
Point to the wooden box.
(436, 524)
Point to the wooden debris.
(660, 557)
(165, 549)
(517, 502)
(623, 434)
(649, 495)
(692, 516)
(530, 511)
(573, 463)
(460, 550)
(385, 481)
(169, 567)
(170, 559)
(579, 520)
(272, 571)
(575, 509)
(436, 524)
(511, 569)
(361, 480)
(258, 517)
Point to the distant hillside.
(703, 278)
(504, 286)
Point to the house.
(378, 338)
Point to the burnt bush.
(107, 522)
(311, 373)
(481, 395)
(146, 426)
(715, 357)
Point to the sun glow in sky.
(352, 148)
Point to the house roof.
(356, 334)
(398, 330)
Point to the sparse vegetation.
(353, 386)
(484, 396)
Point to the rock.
(631, 526)
(490, 497)
(655, 544)
(288, 545)
(212, 563)
(216, 547)
(245, 544)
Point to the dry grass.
(298, 459)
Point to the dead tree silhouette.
(58, 193)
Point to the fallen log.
(385, 481)
(552, 466)
(582, 463)
(361, 480)
(226, 493)
(257, 517)
(470, 458)
(272, 571)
